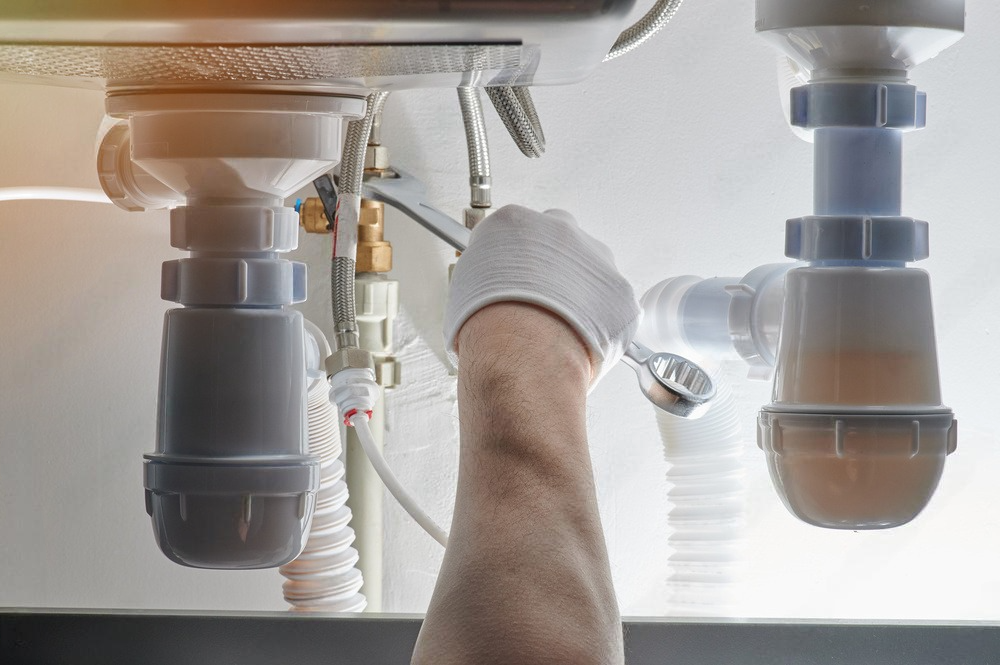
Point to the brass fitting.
(374, 253)
(313, 217)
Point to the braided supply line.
(634, 36)
(345, 226)
(480, 180)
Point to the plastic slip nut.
(233, 282)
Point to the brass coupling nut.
(312, 216)
(374, 253)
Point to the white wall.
(676, 156)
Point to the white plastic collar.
(354, 390)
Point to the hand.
(545, 259)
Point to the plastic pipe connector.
(127, 184)
(718, 317)
(858, 171)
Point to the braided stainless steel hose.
(523, 95)
(352, 163)
(644, 28)
(345, 244)
(516, 107)
(517, 111)
(342, 291)
(480, 180)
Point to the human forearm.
(527, 551)
(536, 314)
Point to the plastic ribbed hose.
(345, 242)
(324, 577)
(517, 110)
(644, 28)
(480, 181)
(707, 498)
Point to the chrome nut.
(376, 158)
(349, 358)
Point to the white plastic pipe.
(53, 194)
(376, 304)
(321, 341)
(367, 503)
(719, 316)
(791, 76)
(360, 423)
(858, 171)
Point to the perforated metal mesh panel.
(246, 64)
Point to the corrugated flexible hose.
(707, 498)
(324, 577)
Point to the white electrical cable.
(53, 194)
(360, 423)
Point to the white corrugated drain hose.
(707, 497)
(324, 578)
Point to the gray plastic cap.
(866, 469)
(217, 513)
(231, 483)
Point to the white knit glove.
(545, 259)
